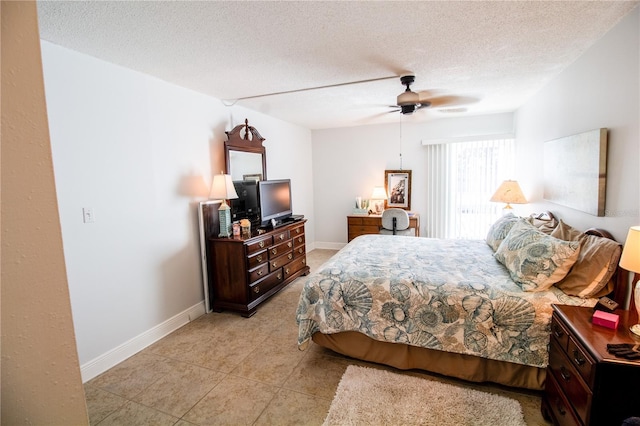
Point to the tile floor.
(223, 369)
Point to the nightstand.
(585, 384)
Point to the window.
(461, 177)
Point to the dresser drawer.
(298, 240)
(261, 287)
(257, 259)
(581, 361)
(281, 236)
(280, 249)
(299, 251)
(258, 273)
(576, 391)
(294, 266)
(558, 404)
(296, 230)
(258, 244)
(559, 332)
(280, 261)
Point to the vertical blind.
(461, 177)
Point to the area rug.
(368, 396)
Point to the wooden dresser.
(244, 272)
(371, 224)
(585, 384)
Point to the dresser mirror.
(244, 154)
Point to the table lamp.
(509, 192)
(377, 196)
(630, 260)
(222, 189)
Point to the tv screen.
(275, 200)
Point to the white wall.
(349, 162)
(141, 152)
(601, 89)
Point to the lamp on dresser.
(222, 189)
(630, 260)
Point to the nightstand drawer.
(581, 361)
(559, 333)
(257, 259)
(280, 237)
(577, 393)
(558, 404)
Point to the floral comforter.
(449, 295)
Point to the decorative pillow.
(500, 229)
(535, 260)
(591, 275)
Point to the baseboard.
(115, 356)
(329, 246)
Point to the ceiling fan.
(409, 101)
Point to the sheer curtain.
(461, 177)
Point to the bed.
(478, 310)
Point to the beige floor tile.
(101, 403)
(133, 375)
(233, 401)
(135, 414)
(271, 363)
(317, 374)
(294, 408)
(179, 390)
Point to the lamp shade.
(379, 193)
(509, 192)
(222, 188)
(630, 258)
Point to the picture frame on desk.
(397, 183)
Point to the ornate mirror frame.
(243, 143)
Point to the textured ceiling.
(499, 52)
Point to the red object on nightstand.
(605, 319)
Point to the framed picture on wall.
(398, 186)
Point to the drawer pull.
(259, 258)
(274, 251)
(557, 331)
(274, 264)
(300, 251)
(261, 244)
(579, 360)
(279, 275)
(289, 244)
(260, 273)
(282, 237)
(304, 261)
(290, 256)
(297, 230)
(256, 289)
(299, 239)
(286, 271)
(566, 375)
(560, 407)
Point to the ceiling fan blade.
(450, 100)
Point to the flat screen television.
(275, 201)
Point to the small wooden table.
(371, 224)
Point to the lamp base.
(635, 329)
(225, 222)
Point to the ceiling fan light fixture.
(408, 98)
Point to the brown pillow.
(591, 275)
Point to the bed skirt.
(406, 357)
